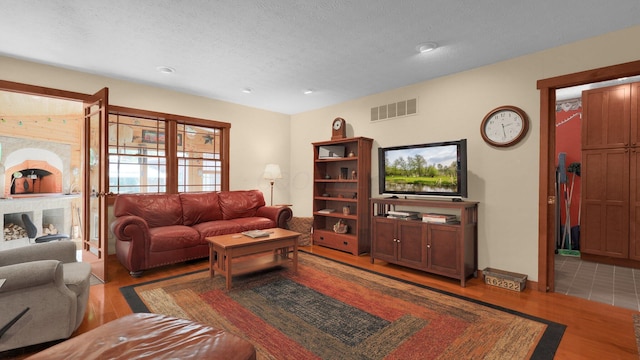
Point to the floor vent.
(394, 110)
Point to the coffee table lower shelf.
(256, 263)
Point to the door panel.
(412, 244)
(383, 237)
(635, 114)
(605, 117)
(634, 203)
(444, 252)
(95, 249)
(605, 204)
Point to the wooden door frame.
(547, 199)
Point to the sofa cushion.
(215, 228)
(156, 209)
(173, 237)
(239, 204)
(254, 223)
(200, 207)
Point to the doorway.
(31, 117)
(547, 192)
(575, 275)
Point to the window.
(199, 158)
(137, 156)
(150, 154)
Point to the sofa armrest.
(280, 214)
(130, 228)
(64, 251)
(31, 274)
(132, 241)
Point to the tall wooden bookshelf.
(341, 189)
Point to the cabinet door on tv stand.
(412, 244)
(383, 235)
(444, 249)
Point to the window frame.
(171, 141)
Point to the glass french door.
(94, 239)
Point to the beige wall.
(504, 181)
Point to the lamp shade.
(272, 171)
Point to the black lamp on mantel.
(271, 173)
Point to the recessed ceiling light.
(165, 69)
(426, 47)
(247, 90)
(308, 92)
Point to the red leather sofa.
(154, 230)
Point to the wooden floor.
(594, 330)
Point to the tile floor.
(609, 284)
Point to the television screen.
(438, 169)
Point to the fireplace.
(33, 177)
(33, 168)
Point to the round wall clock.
(338, 129)
(504, 126)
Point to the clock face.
(337, 124)
(504, 126)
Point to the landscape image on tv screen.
(422, 170)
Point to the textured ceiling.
(340, 49)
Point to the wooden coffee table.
(223, 249)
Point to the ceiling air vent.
(393, 110)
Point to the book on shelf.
(405, 215)
(410, 217)
(326, 211)
(256, 233)
(439, 218)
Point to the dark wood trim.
(41, 90)
(226, 141)
(546, 210)
(172, 156)
(591, 76)
(546, 203)
(121, 110)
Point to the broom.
(574, 169)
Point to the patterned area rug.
(331, 310)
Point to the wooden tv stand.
(448, 249)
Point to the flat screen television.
(431, 169)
